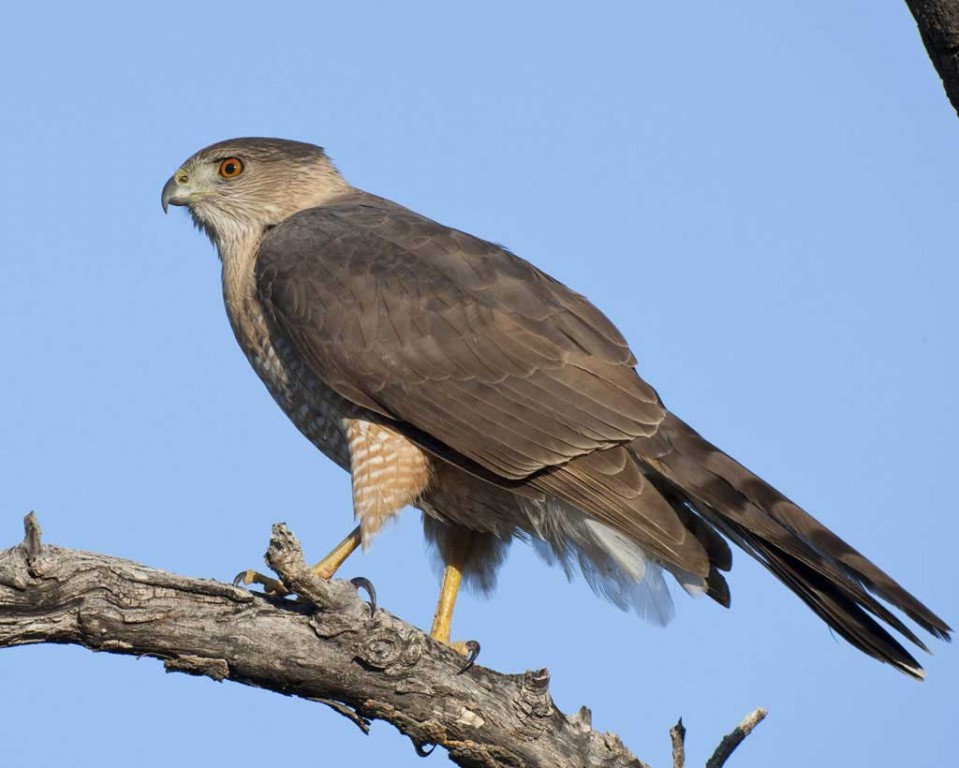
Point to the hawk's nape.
(448, 374)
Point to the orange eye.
(231, 168)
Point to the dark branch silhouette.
(325, 645)
(938, 22)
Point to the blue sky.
(761, 196)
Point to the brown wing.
(477, 356)
(453, 336)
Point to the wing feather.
(452, 335)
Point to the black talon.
(422, 752)
(363, 583)
(474, 649)
(238, 579)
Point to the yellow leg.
(330, 564)
(452, 576)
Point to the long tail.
(831, 577)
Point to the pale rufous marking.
(389, 472)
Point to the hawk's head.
(242, 186)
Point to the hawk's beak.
(176, 191)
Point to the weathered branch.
(938, 22)
(325, 647)
(677, 735)
(735, 737)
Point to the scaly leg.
(443, 618)
(330, 564)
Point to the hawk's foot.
(361, 582)
(271, 586)
(468, 648)
(322, 570)
(274, 587)
(325, 569)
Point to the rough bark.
(326, 646)
(938, 22)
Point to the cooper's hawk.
(448, 374)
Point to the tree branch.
(938, 22)
(735, 737)
(325, 647)
(677, 735)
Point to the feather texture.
(394, 342)
(502, 372)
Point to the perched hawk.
(445, 373)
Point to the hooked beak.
(177, 191)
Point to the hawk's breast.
(316, 410)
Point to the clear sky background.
(761, 195)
